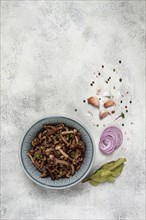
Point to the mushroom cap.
(57, 147)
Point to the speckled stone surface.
(50, 51)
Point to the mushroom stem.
(35, 142)
(62, 162)
(48, 151)
(67, 132)
(58, 147)
(37, 165)
(72, 169)
(51, 174)
(42, 163)
(67, 143)
(77, 141)
(63, 153)
(28, 154)
(44, 174)
(72, 146)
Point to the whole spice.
(106, 173)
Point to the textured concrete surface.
(50, 51)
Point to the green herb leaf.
(37, 155)
(122, 115)
(107, 172)
(71, 136)
(57, 137)
(73, 154)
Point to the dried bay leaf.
(106, 173)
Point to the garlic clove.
(103, 114)
(93, 101)
(109, 103)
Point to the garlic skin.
(103, 93)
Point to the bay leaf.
(107, 172)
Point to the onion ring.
(110, 139)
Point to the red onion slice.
(114, 129)
(107, 144)
(110, 139)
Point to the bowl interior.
(34, 174)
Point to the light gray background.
(50, 51)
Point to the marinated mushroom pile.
(57, 151)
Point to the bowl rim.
(71, 184)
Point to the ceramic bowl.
(62, 183)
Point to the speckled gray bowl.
(62, 183)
